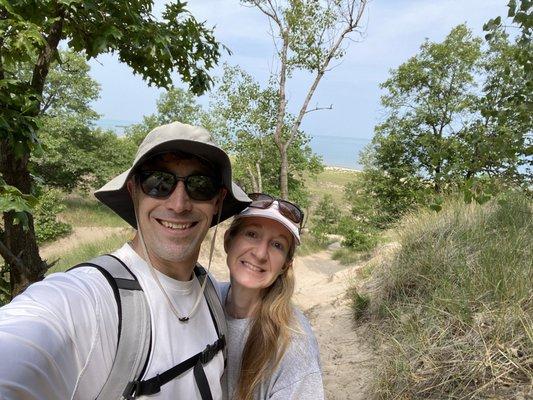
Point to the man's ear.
(129, 185)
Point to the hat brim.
(273, 214)
(115, 193)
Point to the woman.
(272, 352)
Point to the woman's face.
(256, 254)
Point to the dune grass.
(455, 304)
(87, 211)
(330, 181)
(88, 250)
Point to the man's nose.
(179, 200)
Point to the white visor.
(272, 212)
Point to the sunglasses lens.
(157, 183)
(160, 184)
(286, 208)
(290, 211)
(260, 200)
(201, 187)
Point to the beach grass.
(84, 210)
(87, 250)
(454, 305)
(330, 181)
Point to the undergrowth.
(86, 211)
(86, 251)
(454, 305)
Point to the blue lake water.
(336, 151)
(339, 151)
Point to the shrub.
(357, 235)
(47, 226)
(457, 304)
(325, 219)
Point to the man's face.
(174, 227)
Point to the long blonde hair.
(270, 331)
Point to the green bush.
(325, 219)
(456, 303)
(47, 226)
(357, 235)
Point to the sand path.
(321, 285)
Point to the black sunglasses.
(161, 184)
(286, 208)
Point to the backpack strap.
(153, 385)
(133, 308)
(214, 304)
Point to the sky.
(394, 31)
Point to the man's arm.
(57, 338)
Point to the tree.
(495, 143)
(73, 147)
(243, 116)
(30, 33)
(427, 99)
(175, 104)
(309, 35)
(451, 123)
(515, 64)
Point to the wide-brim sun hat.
(173, 137)
(272, 213)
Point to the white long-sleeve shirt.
(58, 339)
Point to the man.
(59, 339)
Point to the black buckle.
(131, 390)
(208, 354)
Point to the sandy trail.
(79, 235)
(321, 285)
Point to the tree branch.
(10, 258)
(42, 66)
(320, 108)
(352, 24)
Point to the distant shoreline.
(341, 169)
(339, 153)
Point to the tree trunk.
(283, 174)
(22, 243)
(259, 178)
(252, 178)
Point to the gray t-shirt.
(298, 375)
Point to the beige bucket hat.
(167, 138)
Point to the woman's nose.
(261, 250)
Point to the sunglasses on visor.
(161, 184)
(286, 208)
